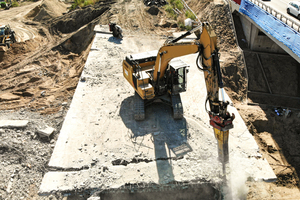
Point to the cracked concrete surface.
(108, 149)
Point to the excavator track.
(139, 107)
(177, 106)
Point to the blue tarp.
(270, 24)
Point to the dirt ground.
(39, 75)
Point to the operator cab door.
(178, 71)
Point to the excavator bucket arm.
(220, 119)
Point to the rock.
(94, 198)
(153, 10)
(168, 23)
(32, 134)
(43, 93)
(8, 189)
(45, 132)
(52, 197)
(13, 123)
(82, 79)
(188, 22)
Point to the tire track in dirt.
(23, 34)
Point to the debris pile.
(25, 152)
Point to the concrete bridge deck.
(102, 147)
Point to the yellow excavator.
(160, 76)
(7, 36)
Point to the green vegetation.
(181, 25)
(172, 7)
(190, 15)
(188, 28)
(177, 4)
(169, 9)
(15, 4)
(82, 3)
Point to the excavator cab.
(177, 79)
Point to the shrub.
(181, 25)
(188, 28)
(82, 3)
(14, 4)
(190, 15)
(169, 9)
(178, 4)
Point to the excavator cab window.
(2, 31)
(178, 80)
(178, 71)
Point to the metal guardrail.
(282, 17)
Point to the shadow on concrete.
(115, 40)
(169, 136)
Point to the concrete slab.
(13, 123)
(101, 145)
(102, 29)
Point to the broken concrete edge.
(262, 179)
(105, 32)
(272, 176)
(102, 29)
(269, 180)
(131, 187)
(13, 123)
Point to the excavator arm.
(220, 118)
(206, 46)
(208, 58)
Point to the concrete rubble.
(45, 132)
(13, 123)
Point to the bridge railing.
(282, 17)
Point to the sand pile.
(46, 10)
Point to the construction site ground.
(39, 75)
